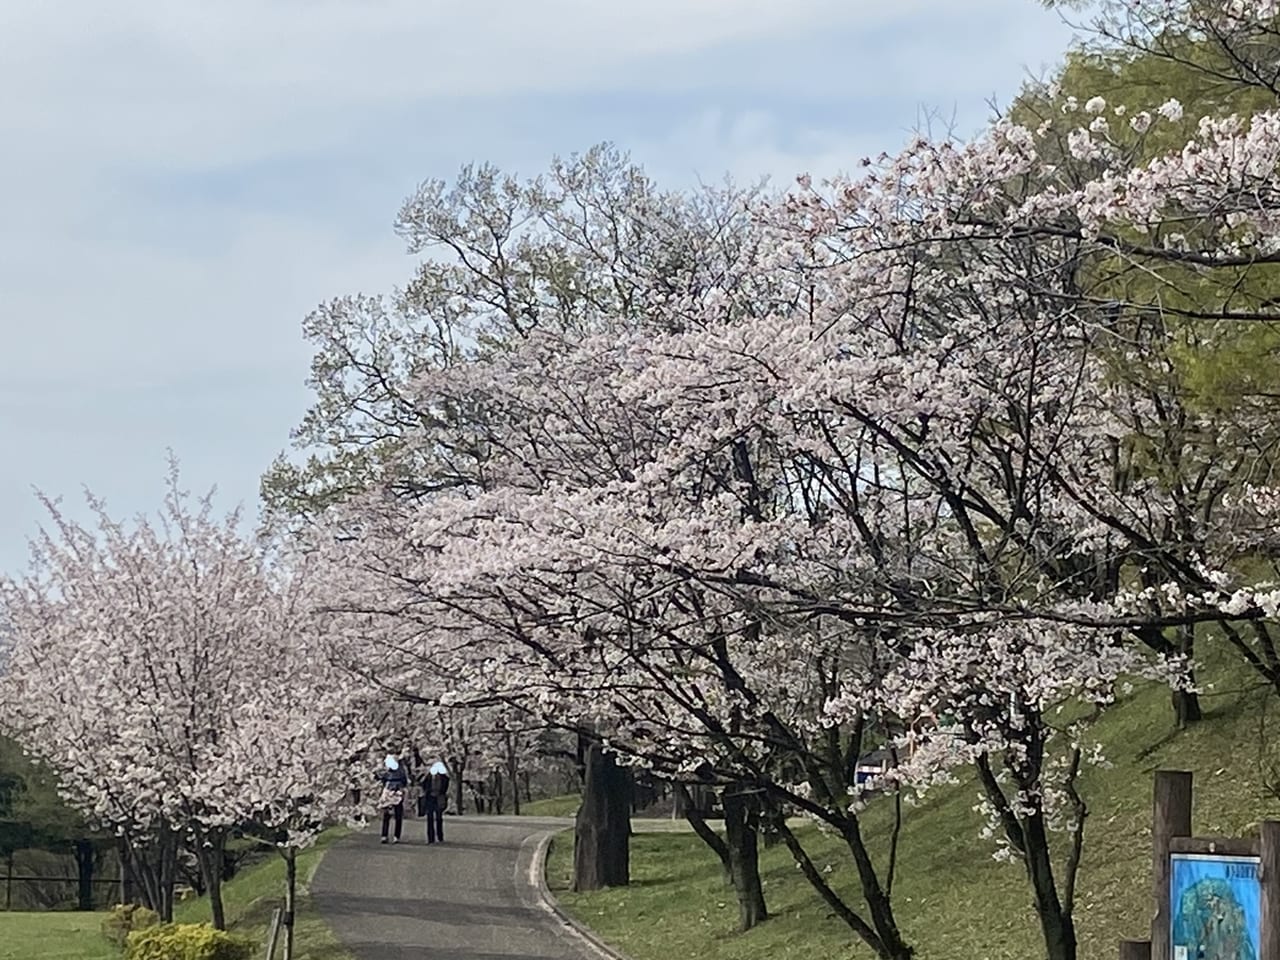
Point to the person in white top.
(394, 784)
(435, 800)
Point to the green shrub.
(124, 918)
(186, 941)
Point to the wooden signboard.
(1216, 898)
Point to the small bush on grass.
(186, 941)
(124, 918)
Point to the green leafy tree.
(1196, 344)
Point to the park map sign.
(1215, 907)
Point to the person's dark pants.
(435, 820)
(398, 810)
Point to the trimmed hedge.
(186, 941)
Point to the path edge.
(551, 903)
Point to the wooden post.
(1135, 950)
(1171, 817)
(1269, 875)
(273, 933)
(291, 899)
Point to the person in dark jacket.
(435, 800)
(394, 784)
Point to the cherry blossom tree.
(302, 741)
(560, 253)
(166, 672)
(502, 258)
(914, 452)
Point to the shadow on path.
(470, 898)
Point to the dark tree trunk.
(602, 829)
(769, 834)
(126, 886)
(513, 776)
(210, 852)
(884, 938)
(1186, 707)
(1186, 703)
(685, 806)
(85, 857)
(230, 864)
(741, 823)
(290, 898)
(645, 794)
(168, 855)
(153, 869)
(1056, 923)
(458, 770)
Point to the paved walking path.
(474, 897)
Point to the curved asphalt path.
(474, 897)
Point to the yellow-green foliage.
(1176, 337)
(186, 941)
(124, 918)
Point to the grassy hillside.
(954, 900)
(249, 900)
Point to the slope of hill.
(953, 899)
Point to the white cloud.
(183, 181)
(176, 82)
(750, 145)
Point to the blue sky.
(182, 181)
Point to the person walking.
(435, 800)
(394, 783)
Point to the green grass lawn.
(562, 806)
(249, 900)
(952, 899)
(53, 936)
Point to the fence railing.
(39, 884)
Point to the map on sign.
(1215, 906)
